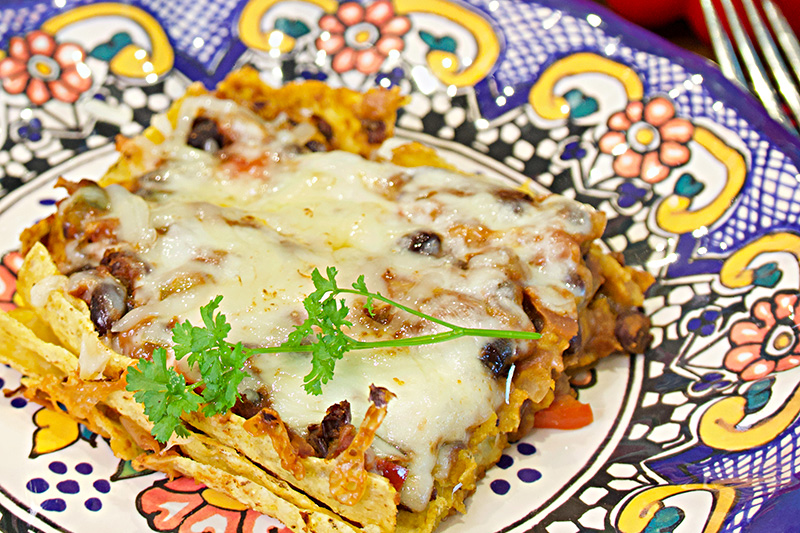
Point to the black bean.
(537, 319)
(424, 242)
(632, 330)
(526, 421)
(321, 436)
(107, 305)
(250, 404)
(336, 416)
(376, 130)
(124, 265)
(205, 135)
(497, 356)
(315, 146)
(323, 127)
(514, 198)
(574, 214)
(575, 344)
(576, 284)
(380, 396)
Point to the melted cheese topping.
(251, 224)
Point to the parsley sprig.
(163, 390)
(166, 396)
(327, 317)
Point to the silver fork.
(785, 85)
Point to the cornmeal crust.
(50, 338)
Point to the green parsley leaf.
(163, 393)
(361, 286)
(326, 318)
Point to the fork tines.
(776, 90)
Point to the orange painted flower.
(43, 69)
(361, 38)
(647, 140)
(183, 506)
(768, 342)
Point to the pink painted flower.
(768, 342)
(183, 506)
(43, 69)
(9, 267)
(361, 38)
(647, 140)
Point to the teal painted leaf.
(445, 43)
(292, 27)
(109, 49)
(665, 520)
(757, 396)
(125, 470)
(580, 105)
(767, 275)
(88, 435)
(688, 187)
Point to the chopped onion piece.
(92, 359)
(135, 226)
(41, 289)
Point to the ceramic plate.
(700, 188)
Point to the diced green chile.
(93, 196)
(82, 206)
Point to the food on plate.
(255, 297)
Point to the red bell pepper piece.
(395, 473)
(564, 413)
